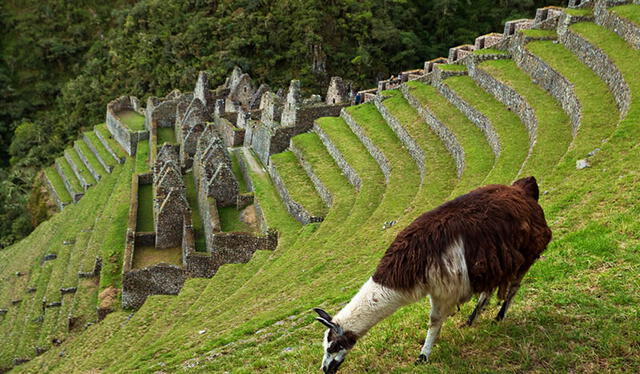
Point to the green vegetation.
(235, 167)
(579, 11)
(540, 34)
(144, 218)
(489, 51)
(144, 256)
(196, 218)
(113, 144)
(512, 135)
(553, 133)
(166, 135)
(102, 151)
(452, 67)
(142, 157)
(80, 166)
(230, 220)
(298, 184)
(58, 184)
(479, 157)
(132, 119)
(90, 156)
(628, 11)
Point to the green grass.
(68, 172)
(554, 127)
(579, 11)
(80, 166)
(489, 51)
(235, 167)
(230, 220)
(113, 144)
(192, 198)
(479, 157)
(132, 119)
(145, 256)
(166, 135)
(58, 184)
(144, 218)
(514, 140)
(452, 67)
(142, 157)
(91, 157)
(629, 11)
(540, 34)
(298, 184)
(102, 151)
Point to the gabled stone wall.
(126, 137)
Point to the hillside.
(557, 97)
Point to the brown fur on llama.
(481, 241)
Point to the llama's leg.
(513, 289)
(482, 302)
(440, 310)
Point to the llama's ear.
(529, 185)
(326, 323)
(323, 314)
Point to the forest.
(61, 61)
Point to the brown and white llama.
(482, 241)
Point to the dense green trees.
(62, 61)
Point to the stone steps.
(468, 145)
(56, 187)
(89, 160)
(116, 151)
(69, 178)
(97, 147)
(79, 169)
(296, 189)
(549, 128)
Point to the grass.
(452, 67)
(489, 51)
(630, 12)
(513, 137)
(91, 157)
(142, 157)
(579, 11)
(103, 153)
(145, 256)
(166, 135)
(132, 119)
(553, 133)
(540, 34)
(58, 184)
(144, 218)
(235, 167)
(298, 184)
(113, 144)
(69, 174)
(479, 157)
(230, 220)
(196, 218)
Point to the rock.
(592, 153)
(50, 256)
(279, 323)
(3, 312)
(582, 164)
(201, 332)
(69, 242)
(287, 349)
(38, 319)
(62, 353)
(16, 302)
(546, 192)
(54, 304)
(66, 290)
(31, 290)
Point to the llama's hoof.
(422, 359)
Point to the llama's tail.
(529, 185)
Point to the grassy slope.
(513, 137)
(628, 11)
(553, 133)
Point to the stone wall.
(293, 207)
(627, 29)
(414, 149)
(233, 136)
(448, 138)
(338, 92)
(323, 191)
(53, 193)
(106, 145)
(86, 162)
(161, 279)
(76, 170)
(127, 138)
(93, 149)
(347, 170)
(75, 195)
(373, 150)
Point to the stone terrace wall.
(323, 191)
(127, 138)
(295, 209)
(373, 150)
(93, 149)
(347, 170)
(161, 279)
(75, 195)
(53, 193)
(627, 30)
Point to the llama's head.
(337, 342)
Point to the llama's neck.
(370, 305)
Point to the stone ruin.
(125, 136)
(169, 202)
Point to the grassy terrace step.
(514, 139)
(132, 119)
(479, 157)
(103, 153)
(630, 12)
(553, 133)
(97, 167)
(597, 102)
(440, 176)
(80, 166)
(69, 174)
(58, 184)
(298, 184)
(113, 144)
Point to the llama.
(477, 243)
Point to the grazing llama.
(482, 241)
